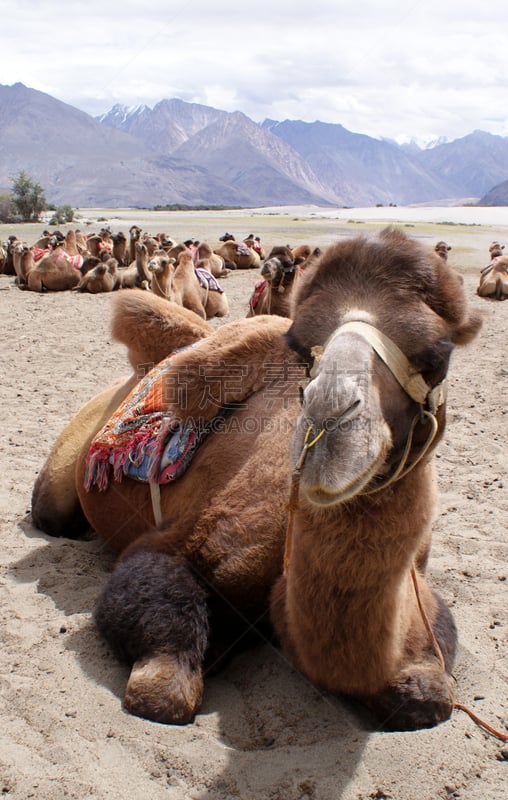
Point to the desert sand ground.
(263, 732)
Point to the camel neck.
(351, 563)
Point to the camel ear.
(467, 331)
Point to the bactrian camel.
(344, 403)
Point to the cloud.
(413, 71)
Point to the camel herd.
(186, 273)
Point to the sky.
(420, 70)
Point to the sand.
(263, 732)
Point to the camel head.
(375, 321)
(279, 268)
(160, 263)
(442, 249)
(496, 249)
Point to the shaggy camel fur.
(214, 300)
(342, 601)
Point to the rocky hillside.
(192, 154)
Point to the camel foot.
(163, 689)
(421, 697)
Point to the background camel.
(104, 277)
(137, 274)
(271, 294)
(240, 255)
(494, 279)
(55, 272)
(162, 268)
(442, 249)
(345, 610)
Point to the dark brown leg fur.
(153, 613)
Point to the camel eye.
(434, 360)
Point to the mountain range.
(191, 154)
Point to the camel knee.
(421, 696)
(153, 613)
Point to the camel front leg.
(422, 694)
(153, 613)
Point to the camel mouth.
(324, 496)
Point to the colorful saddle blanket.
(207, 280)
(256, 294)
(142, 441)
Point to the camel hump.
(151, 327)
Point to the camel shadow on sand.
(280, 733)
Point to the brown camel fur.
(494, 279)
(216, 262)
(52, 273)
(98, 242)
(241, 256)
(71, 245)
(17, 250)
(81, 242)
(442, 249)
(134, 236)
(137, 276)
(345, 611)
(157, 328)
(8, 267)
(161, 266)
(186, 287)
(104, 277)
(120, 249)
(272, 294)
(214, 300)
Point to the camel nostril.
(353, 410)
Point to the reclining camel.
(205, 556)
(137, 275)
(494, 279)
(55, 272)
(272, 294)
(238, 255)
(103, 277)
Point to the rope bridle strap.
(399, 365)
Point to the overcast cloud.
(423, 70)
